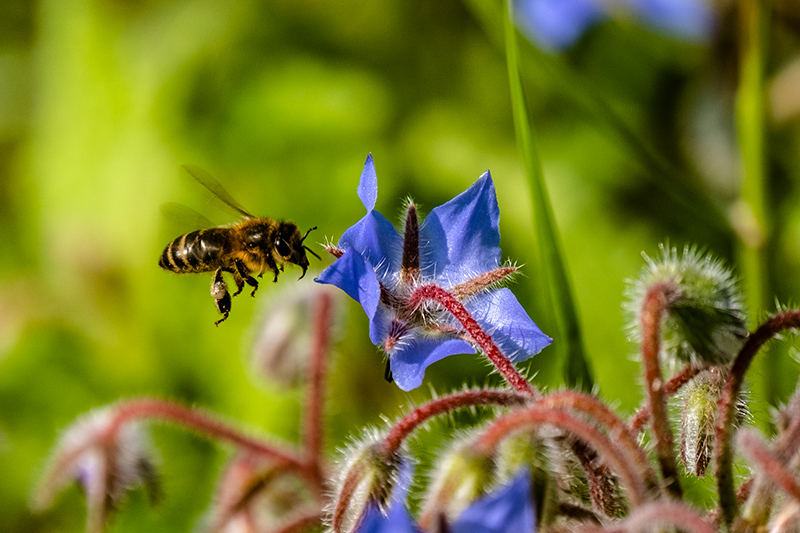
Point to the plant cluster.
(543, 461)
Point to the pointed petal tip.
(368, 184)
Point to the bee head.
(289, 245)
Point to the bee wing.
(186, 217)
(207, 180)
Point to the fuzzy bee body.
(199, 251)
(252, 246)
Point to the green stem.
(555, 290)
(750, 213)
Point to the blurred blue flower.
(557, 24)
(456, 248)
(508, 508)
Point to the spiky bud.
(705, 319)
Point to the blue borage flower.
(455, 248)
(507, 508)
(557, 24)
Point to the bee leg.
(244, 276)
(236, 279)
(222, 298)
(272, 266)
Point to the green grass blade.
(555, 289)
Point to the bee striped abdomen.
(198, 251)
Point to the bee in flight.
(252, 245)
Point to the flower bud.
(106, 460)
(463, 475)
(369, 479)
(529, 452)
(284, 340)
(698, 420)
(254, 495)
(705, 320)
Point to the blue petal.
(397, 521)
(557, 24)
(509, 325)
(355, 276)
(509, 508)
(368, 185)
(413, 355)
(375, 238)
(461, 238)
(693, 19)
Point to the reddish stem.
(349, 486)
(476, 333)
(535, 416)
(666, 513)
(769, 465)
(203, 423)
(654, 307)
(726, 407)
(675, 384)
(599, 412)
(314, 417)
(403, 428)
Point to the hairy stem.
(608, 450)
(666, 513)
(348, 490)
(203, 423)
(599, 412)
(446, 404)
(675, 384)
(752, 446)
(476, 333)
(653, 309)
(314, 417)
(726, 410)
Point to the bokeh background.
(101, 101)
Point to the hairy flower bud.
(281, 350)
(106, 460)
(462, 476)
(368, 480)
(698, 420)
(528, 451)
(254, 494)
(705, 319)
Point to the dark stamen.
(410, 264)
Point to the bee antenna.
(309, 250)
(306, 235)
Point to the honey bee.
(252, 245)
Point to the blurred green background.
(102, 101)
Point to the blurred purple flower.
(507, 508)
(557, 24)
(456, 248)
